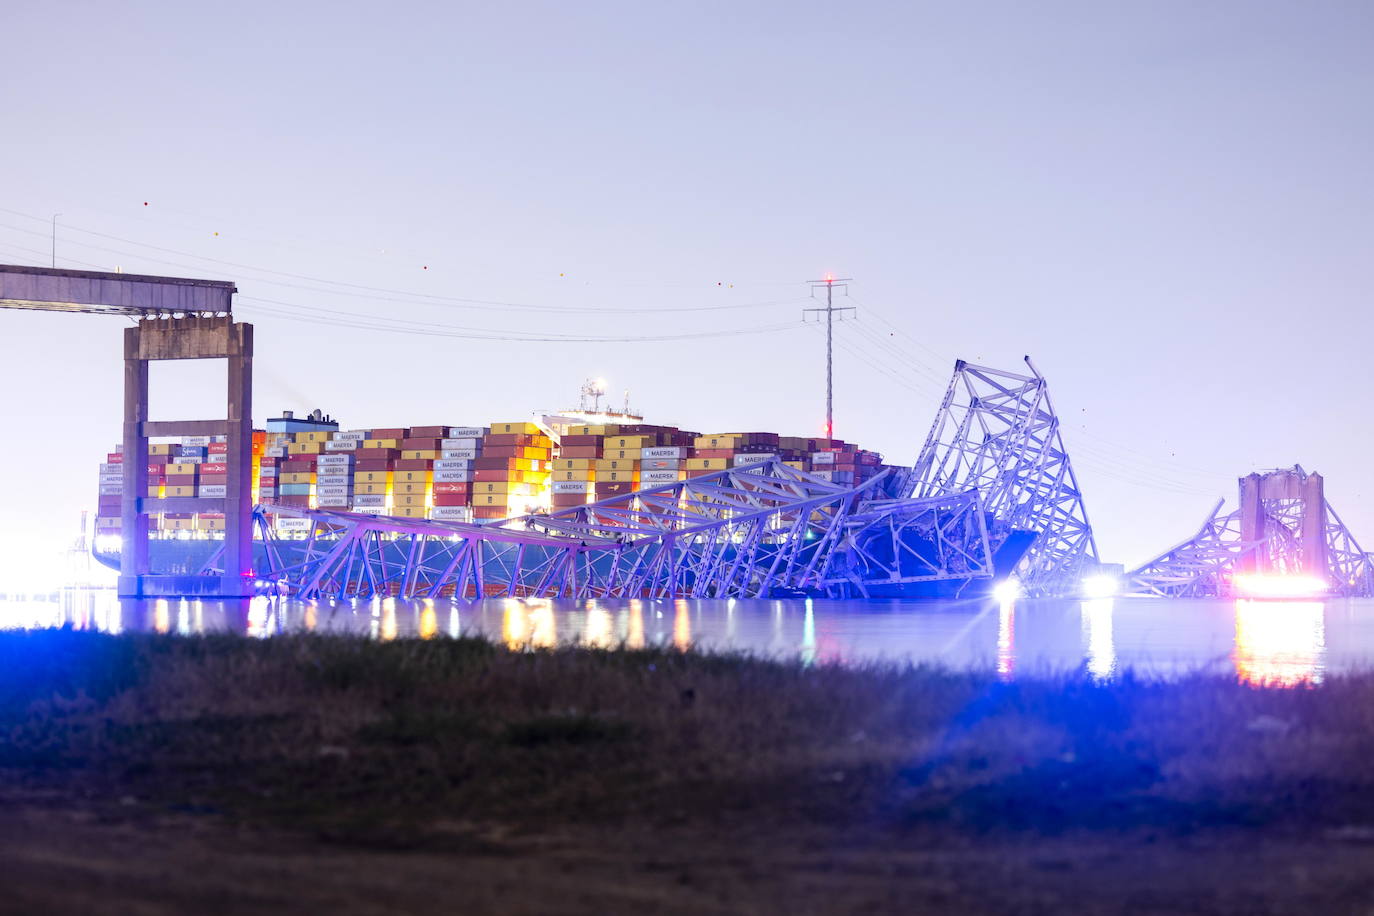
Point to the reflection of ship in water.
(1280, 643)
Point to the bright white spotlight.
(1007, 591)
(1262, 585)
(1100, 585)
(108, 543)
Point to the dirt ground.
(56, 857)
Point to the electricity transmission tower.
(829, 312)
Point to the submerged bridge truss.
(745, 532)
(1284, 525)
(993, 475)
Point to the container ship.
(476, 473)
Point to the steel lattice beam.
(997, 434)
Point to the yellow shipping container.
(154, 491)
(180, 491)
(411, 512)
(497, 486)
(314, 435)
(799, 465)
(519, 429)
(631, 454)
(418, 487)
(718, 440)
(616, 464)
(305, 448)
(618, 477)
(209, 524)
(575, 474)
(372, 477)
(381, 443)
(371, 488)
(572, 464)
(297, 477)
(402, 500)
(178, 524)
(419, 453)
(160, 448)
(593, 430)
(182, 468)
(628, 441)
(412, 476)
(707, 464)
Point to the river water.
(1286, 642)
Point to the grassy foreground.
(460, 748)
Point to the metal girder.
(743, 532)
(897, 542)
(1204, 566)
(996, 433)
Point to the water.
(1287, 642)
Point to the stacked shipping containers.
(463, 473)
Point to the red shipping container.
(211, 480)
(390, 432)
(428, 432)
(487, 463)
(294, 500)
(564, 500)
(373, 464)
(114, 458)
(485, 512)
(298, 463)
(581, 440)
(450, 499)
(217, 448)
(713, 453)
(450, 487)
(497, 474)
(213, 468)
(614, 489)
(181, 480)
(413, 464)
(580, 451)
(419, 442)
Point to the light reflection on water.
(1263, 642)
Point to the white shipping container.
(571, 486)
(332, 502)
(111, 489)
(267, 470)
(664, 451)
(822, 457)
(749, 458)
(333, 490)
(369, 499)
(213, 491)
(660, 464)
(111, 479)
(353, 435)
(112, 468)
(283, 523)
(453, 464)
(464, 453)
(461, 443)
(276, 451)
(371, 510)
(342, 445)
(452, 476)
(468, 432)
(324, 461)
(657, 477)
(195, 440)
(823, 475)
(451, 513)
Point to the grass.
(376, 743)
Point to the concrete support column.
(238, 527)
(133, 529)
(1313, 534)
(1252, 525)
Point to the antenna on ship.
(592, 391)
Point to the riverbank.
(453, 774)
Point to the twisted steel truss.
(1205, 565)
(996, 434)
(745, 532)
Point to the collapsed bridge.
(992, 494)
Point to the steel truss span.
(996, 434)
(746, 532)
(1283, 534)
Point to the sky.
(1168, 205)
